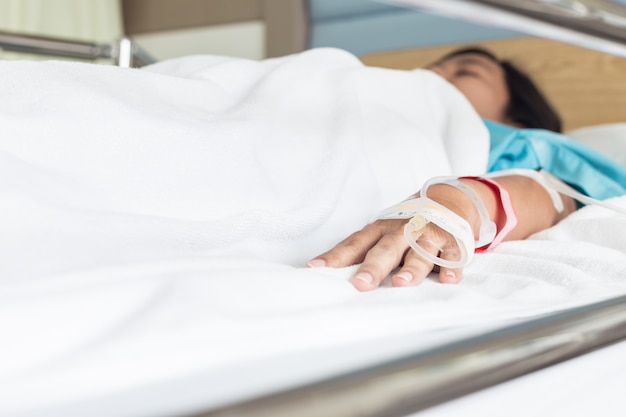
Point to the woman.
(502, 94)
(497, 89)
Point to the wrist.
(458, 202)
(501, 209)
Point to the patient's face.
(481, 80)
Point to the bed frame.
(595, 24)
(428, 378)
(123, 52)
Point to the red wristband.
(504, 209)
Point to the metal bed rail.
(594, 24)
(124, 52)
(422, 380)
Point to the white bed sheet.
(155, 223)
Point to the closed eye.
(466, 73)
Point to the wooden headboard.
(586, 87)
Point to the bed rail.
(595, 24)
(425, 379)
(123, 52)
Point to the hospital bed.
(536, 327)
(123, 52)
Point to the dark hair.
(527, 105)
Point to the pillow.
(608, 139)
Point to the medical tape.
(563, 188)
(488, 228)
(557, 202)
(403, 210)
(423, 210)
(554, 186)
(427, 211)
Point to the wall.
(248, 28)
(244, 40)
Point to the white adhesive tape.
(488, 228)
(426, 210)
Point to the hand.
(382, 249)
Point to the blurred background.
(259, 29)
(253, 29)
(578, 79)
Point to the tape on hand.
(423, 210)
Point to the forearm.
(532, 205)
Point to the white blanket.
(155, 223)
(211, 156)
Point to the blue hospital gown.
(581, 167)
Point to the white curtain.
(85, 20)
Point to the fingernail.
(405, 276)
(316, 263)
(365, 277)
(450, 276)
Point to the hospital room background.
(380, 33)
(245, 28)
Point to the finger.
(415, 267)
(380, 260)
(450, 251)
(450, 275)
(353, 249)
(349, 251)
